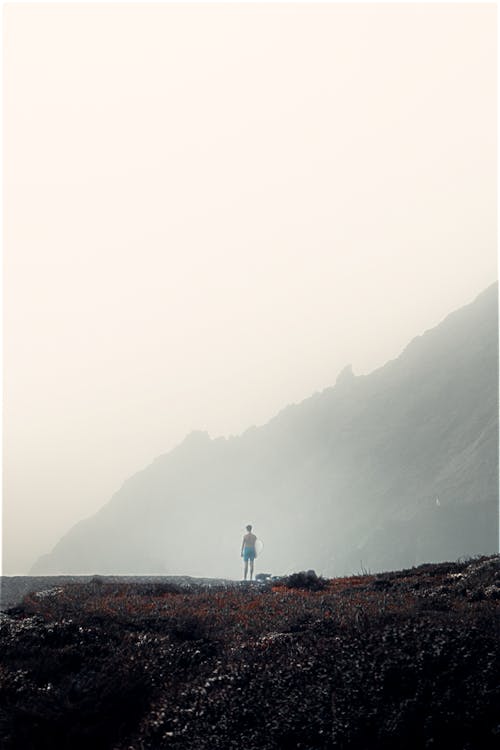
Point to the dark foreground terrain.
(409, 659)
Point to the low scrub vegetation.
(406, 659)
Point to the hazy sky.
(209, 210)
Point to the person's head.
(249, 527)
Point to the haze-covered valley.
(377, 472)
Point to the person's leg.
(246, 569)
(251, 568)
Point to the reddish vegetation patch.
(407, 659)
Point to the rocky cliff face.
(379, 472)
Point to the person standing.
(248, 551)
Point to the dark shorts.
(249, 553)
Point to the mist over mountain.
(378, 472)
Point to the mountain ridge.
(355, 458)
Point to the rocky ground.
(409, 659)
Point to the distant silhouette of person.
(248, 551)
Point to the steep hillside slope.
(381, 471)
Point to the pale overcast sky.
(210, 210)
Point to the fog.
(209, 210)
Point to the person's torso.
(249, 540)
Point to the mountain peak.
(196, 437)
(345, 376)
